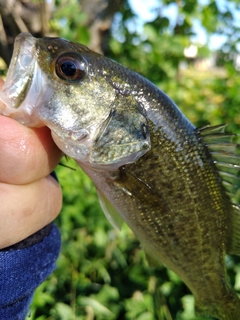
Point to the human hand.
(29, 198)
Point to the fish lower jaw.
(20, 116)
(74, 149)
(81, 152)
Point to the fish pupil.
(69, 68)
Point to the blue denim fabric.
(22, 271)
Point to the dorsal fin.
(225, 150)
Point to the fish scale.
(176, 186)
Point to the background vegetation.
(102, 273)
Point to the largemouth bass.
(171, 182)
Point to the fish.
(175, 185)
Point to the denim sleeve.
(22, 270)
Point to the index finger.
(27, 154)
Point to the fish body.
(151, 166)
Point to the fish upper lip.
(20, 70)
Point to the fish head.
(63, 85)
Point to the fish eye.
(70, 67)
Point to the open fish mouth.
(24, 83)
(20, 72)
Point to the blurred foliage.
(102, 273)
(69, 21)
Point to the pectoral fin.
(110, 212)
